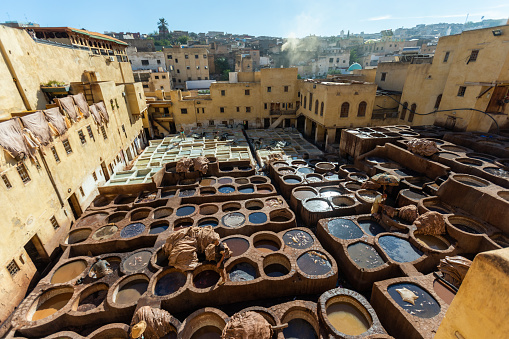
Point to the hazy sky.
(274, 17)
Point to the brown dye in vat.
(347, 319)
(92, 301)
(207, 182)
(266, 246)
(431, 242)
(207, 332)
(131, 292)
(68, 272)
(52, 305)
(445, 293)
(238, 246)
(304, 194)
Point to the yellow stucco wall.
(481, 305)
(178, 64)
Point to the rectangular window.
(164, 76)
(188, 67)
(265, 106)
(286, 88)
(196, 56)
(197, 67)
(23, 173)
(331, 59)
(187, 56)
(90, 133)
(144, 62)
(156, 76)
(238, 109)
(176, 60)
(269, 89)
(183, 111)
(103, 130)
(54, 222)
(221, 109)
(94, 176)
(55, 154)
(82, 192)
(211, 122)
(382, 78)
(197, 110)
(158, 61)
(13, 268)
(67, 146)
(446, 57)
(82, 137)
(170, 56)
(247, 92)
(223, 92)
(461, 91)
(178, 71)
(204, 56)
(6, 181)
(203, 110)
(248, 109)
(473, 55)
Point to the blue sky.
(275, 17)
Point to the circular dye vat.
(185, 210)
(398, 249)
(329, 192)
(342, 201)
(425, 305)
(78, 236)
(246, 190)
(438, 208)
(183, 223)
(258, 180)
(224, 180)
(238, 246)
(305, 170)
(275, 270)
(344, 229)
(292, 180)
(226, 169)
(207, 332)
(206, 279)
(93, 300)
(241, 181)
(447, 155)
(242, 272)
(353, 186)
(314, 178)
(431, 242)
(226, 189)
(314, 263)
(257, 218)
(299, 329)
(231, 207)
(170, 283)
(93, 219)
(466, 225)
(501, 240)
(482, 157)
(207, 182)
(167, 194)
(207, 191)
(317, 205)
(132, 230)
(159, 228)
(68, 271)
(331, 177)
(471, 181)
(358, 177)
(365, 255)
(136, 261)
(371, 227)
(234, 219)
(469, 162)
(498, 172)
(304, 193)
(266, 246)
(413, 195)
(298, 239)
(105, 232)
(254, 205)
(347, 319)
(116, 217)
(245, 168)
(368, 195)
(187, 193)
(131, 292)
(51, 306)
(208, 222)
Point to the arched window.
(412, 112)
(305, 101)
(310, 101)
(344, 110)
(437, 103)
(403, 111)
(321, 109)
(361, 112)
(316, 107)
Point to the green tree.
(298, 76)
(162, 24)
(225, 76)
(354, 56)
(221, 64)
(183, 40)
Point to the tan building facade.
(189, 63)
(41, 199)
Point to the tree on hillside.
(183, 40)
(221, 65)
(162, 24)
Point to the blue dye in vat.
(132, 230)
(365, 255)
(425, 305)
(226, 189)
(257, 218)
(305, 170)
(344, 229)
(186, 210)
(247, 168)
(158, 229)
(398, 249)
(292, 180)
(371, 227)
(208, 222)
(314, 263)
(170, 283)
(242, 272)
(332, 177)
(299, 329)
(246, 190)
(298, 239)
